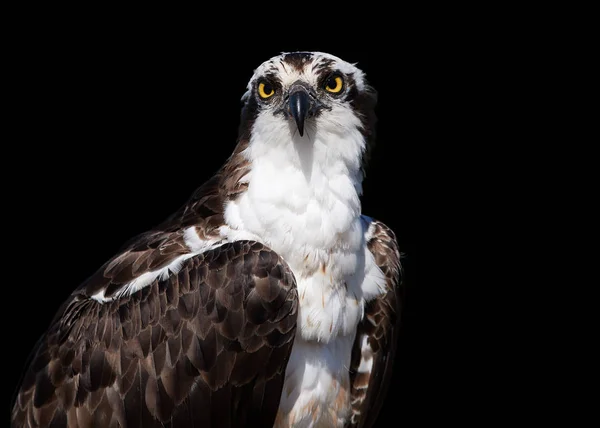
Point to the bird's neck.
(301, 194)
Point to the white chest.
(311, 217)
(304, 203)
(333, 285)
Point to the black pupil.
(331, 83)
(267, 88)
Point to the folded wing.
(207, 346)
(375, 344)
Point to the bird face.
(308, 92)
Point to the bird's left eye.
(334, 84)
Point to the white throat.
(303, 192)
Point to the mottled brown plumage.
(220, 331)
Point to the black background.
(114, 133)
(113, 117)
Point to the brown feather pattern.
(206, 347)
(380, 324)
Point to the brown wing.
(375, 343)
(206, 347)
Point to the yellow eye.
(265, 90)
(334, 84)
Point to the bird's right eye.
(265, 90)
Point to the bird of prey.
(267, 299)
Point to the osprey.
(267, 299)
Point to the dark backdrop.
(115, 133)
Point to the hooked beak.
(299, 105)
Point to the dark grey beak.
(299, 105)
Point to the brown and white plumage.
(377, 333)
(206, 347)
(267, 299)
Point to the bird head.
(309, 99)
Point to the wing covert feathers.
(206, 347)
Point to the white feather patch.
(316, 391)
(196, 246)
(366, 360)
